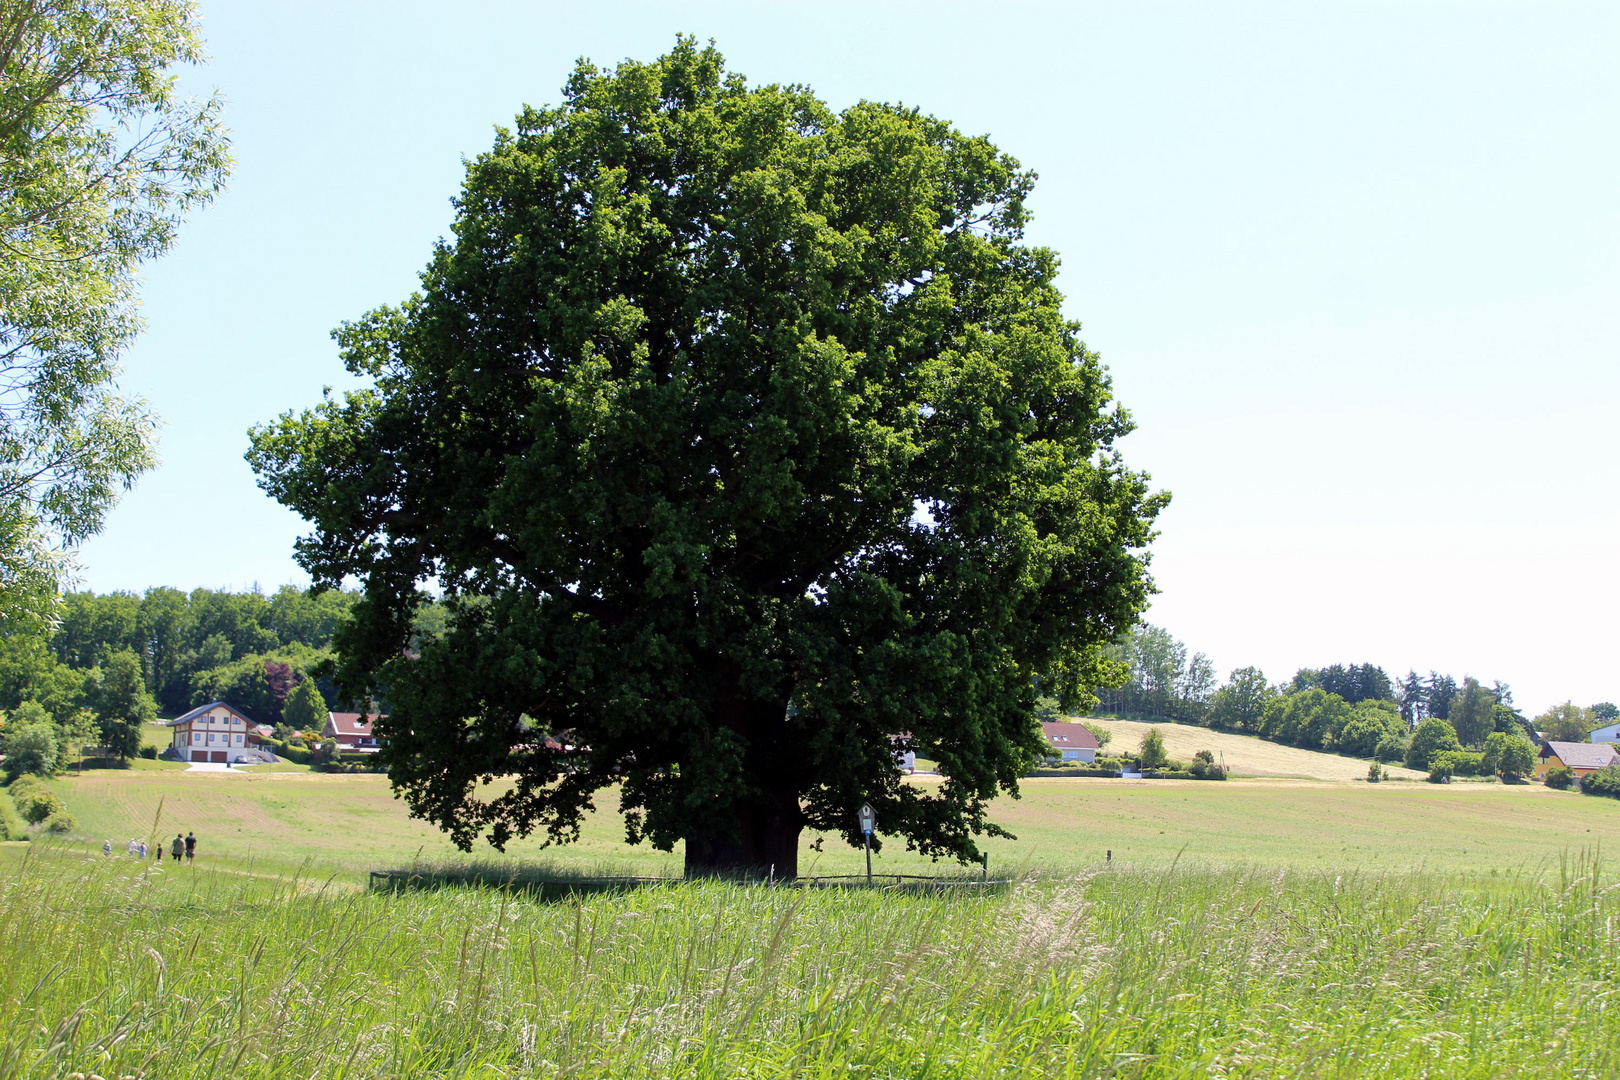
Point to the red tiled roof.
(351, 723)
(1066, 736)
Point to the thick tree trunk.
(763, 842)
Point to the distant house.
(352, 731)
(1069, 742)
(1609, 733)
(1582, 759)
(215, 733)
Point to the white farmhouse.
(1609, 733)
(215, 732)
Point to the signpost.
(868, 819)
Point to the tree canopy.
(747, 441)
(1566, 723)
(100, 159)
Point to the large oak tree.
(743, 437)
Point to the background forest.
(115, 661)
(1355, 709)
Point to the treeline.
(118, 660)
(1356, 709)
(248, 648)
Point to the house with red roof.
(1069, 742)
(352, 731)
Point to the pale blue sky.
(1354, 268)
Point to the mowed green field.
(353, 823)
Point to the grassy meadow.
(351, 823)
(112, 968)
(1262, 927)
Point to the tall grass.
(113, 970)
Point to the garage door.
(216, 755)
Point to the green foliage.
(61, 822)
(1047, 709)
(1310, 718)
(1511, 756)
(1605, 711)
(35, 802)
(1152, 754)
(1370, 723)
(305, 707)
(1433, 736)
(190, 645)
(299, 755)
(1204, 767)
(1241, 704)
(12, 826)
(1473, 713)
(1459, 763)
(1565, 723)
(1162, 679)
(1517, 759)
(660, 422)
(1375, 773)
(1392, 748)
(1101, 734)
(100, 161)
(1440, 768)
(1559, 777)
(1604, 781)
(120, 702)
(28, 748)
(1355, 683)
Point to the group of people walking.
(182, 847)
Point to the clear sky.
(1355, 269)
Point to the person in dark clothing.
(191, 846)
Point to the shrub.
(1511, 755)
(12, 826)
(1391, 748)
(1459, 763)
(296, 754)
(1439, 770)
(1432, 737)
(1374, 773)
(1153, 755)
(29, 748)
(1606, 781)
(61, 822)
(1204, 768)
(149, 753)
(36, 804)
(1559, 777)
(1370, 723)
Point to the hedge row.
(1605, 781)
(12, 826)
(298, 755)
(1457, 763)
